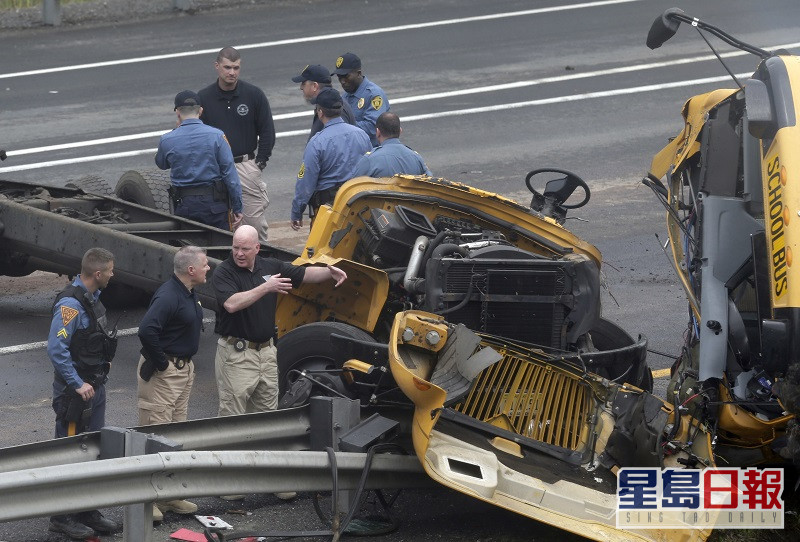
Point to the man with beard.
(312, 80)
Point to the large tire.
(14, 264)
(148, 188)
(308, 347)
(92, 184)
(629, 364)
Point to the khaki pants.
(165, 398)
(247, 381)
(254, 198)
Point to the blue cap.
(328, 98)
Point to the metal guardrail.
(250, 453)
(278, 430)
(174, 475)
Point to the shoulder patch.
(377, 102)
(302, 170)
(68, 314)
(360, 104)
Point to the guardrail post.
(330, 418)
(117, 442)
(138, 522)
(51, 12)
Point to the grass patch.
(6, 5)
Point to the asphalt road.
(487, 91)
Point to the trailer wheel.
(14, 264)
(308, 348)
(92, 184)
(148, 188)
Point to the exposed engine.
(477, 277)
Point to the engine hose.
(461, 304)
(411, 280)
(449, 248)
(433, 243)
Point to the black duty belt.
(322, 197)
(241, 344)
(242, 158)
(179, 363)
(202, 190)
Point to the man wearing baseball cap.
(329, 157)
(205, 185)
(366, 98)
(312, 79)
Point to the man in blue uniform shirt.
(329, 158)
(366, 98)
(81, 347)
(391, 157)
(205, 185)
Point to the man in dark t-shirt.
(247, 288)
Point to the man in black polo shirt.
(247, 288)
(170, 336)
(241, 110)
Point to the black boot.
(70, 526)
(98, 522)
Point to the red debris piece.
(189, 536)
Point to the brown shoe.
(178, 506)
(158, 517)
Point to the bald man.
(247, 287)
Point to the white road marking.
(411, 118)
(409, 99)
(308, 39)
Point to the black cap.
(328, 98)
(314, 72)
(186, 98)
(347, 63)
